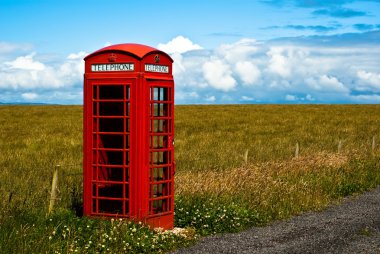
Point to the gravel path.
(351, 227)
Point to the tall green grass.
(216, 190)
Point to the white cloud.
(278, 63)
(219, 75)
(67, 95)
(278, 84)
(269, 72)
(25, 73)
(178, 66)
(6, 47)
(374, 98)
(298, 70)
(248, 72)
(239, 51)
(326, 83)
(179, 44)
(309, 97)
(294, 98)
(211, 98)
(187, 64)
(29, 96)
(246, 98)
(26, 63)
(369, 80)
(290, 97)
(193, 95)
(77, 56)
(181, 96)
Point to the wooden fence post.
(340, 146)
(53, 194)
(245, 157)
(297, 151)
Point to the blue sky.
(241, 51)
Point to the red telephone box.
(129, 134)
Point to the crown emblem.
(156, 58)
(112, 57)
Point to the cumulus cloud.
(290, 97)
(278, 62)
(246, 98)
(29, 96)
(369, 80)
(219, 75)
(179, 44)
(303, 71)
(373, 98)
(26, 63)
(239, 51)
(309, 97)
(315, 69)
(176, 47)
(248, 72)
(23, 74)
(211, 98)
(308, 70)
(326, 83)
(26, 73)
(77, 56)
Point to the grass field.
(235, 168)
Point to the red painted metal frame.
(146, 184)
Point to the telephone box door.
(110, 122)
(161, 152)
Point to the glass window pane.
(111, 191)
(111, 92)
(110, 206)
(111, 141)
(111, 125)
(111, 108)
(110, 158)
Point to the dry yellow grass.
(298, 182)
(253, 177)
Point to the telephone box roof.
(138, 50)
